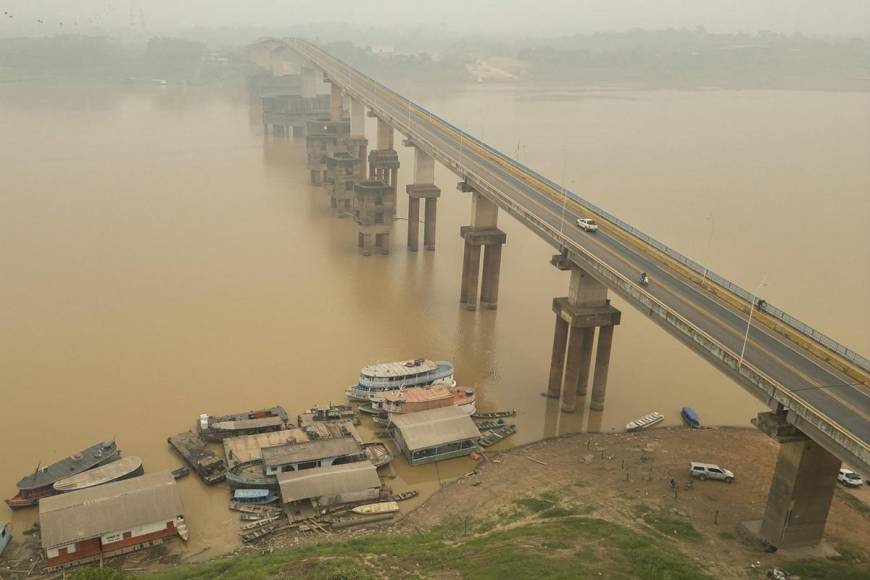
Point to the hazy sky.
(538, 17)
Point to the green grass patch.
(667, 523)
(856, 503)
(534, 504)
(852, 563)
(566, 548)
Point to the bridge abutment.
(577, 316)
(372, 213)
(483, 232)
(424, 188)
(384, 161)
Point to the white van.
(710, 471)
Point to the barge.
(40, 483)
(196, 453)
(217, 428)
(124, 468)
(378, 379)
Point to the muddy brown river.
(158, 260)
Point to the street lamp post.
(749, 322)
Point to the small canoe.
(260, 532)
(254, 496)
(253, 508)
(377, 453)
(259, 523)
(181, 528)
(181, 472)
(690, 417)
(368, 409)
(495, 414)
(490, 425)
(645, 422)
(378, 420)
(405, 495)
(124, 468)
(373, 509)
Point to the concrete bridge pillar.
(424, 188)
(384, 161)
(335, 102)
(309, 83)
(373, 215)
(357, 118)
(802, 488)
(577, 316)
(483, 231)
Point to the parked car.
(587, 224)
(710, 471)
(850, 478)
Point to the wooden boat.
(496, 435)
(377, 453)
(181, 528)
(248, 423)
(645, 422)
(370, 409)
(246, 517)
(5, 535)
(417, 399)
(124, 468)
(181, 472)
(253, 508)
(379, 420)
(405, 495)
(260, 522)
(251, 475)
(378, 379)
(373, 509)
(254, 535)
(690, 417)
(490, 425)
(196, 453)
(254, 496)
(41, 482)
(495, 414)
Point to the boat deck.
(249, 447)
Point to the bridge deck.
(836, 402)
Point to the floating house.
(109, 520)
(311, 454)
(306, 492)
(435, 434)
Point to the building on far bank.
(434, 435)
(308, 491)
(108, 520)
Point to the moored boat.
(417, 399)
(377, 453)
(251, 475)
(260, 421)
(181, 472)
(496, 435)
(181, 528)
(253, 508)
(203, 460)
(495, 414)
(123, 468)
(490, 425)
(405, 495)
(41, 482)
(5, 535)
(332, 413)
(254, 496)
(378, 379)
(645, 422)
(690, 417)
(260, 522)
(261, 532)
(373, 509)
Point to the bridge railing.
(687, 262)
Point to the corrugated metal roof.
(89, 513)
(309, 451)
(435, 427)
(420, 394)
(326, 481)
(400, 368)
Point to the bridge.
(816, 389)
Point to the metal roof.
(326, 481)
(309, 451)
(434, 427)
(258, 423)
(420, 394)
(113, 507)
(400, 368)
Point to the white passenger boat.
(384, 507)
(378, 379)
(645, 422)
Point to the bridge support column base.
(431, 214)
(413, 223)
(470, 271)
(491, 240)
(800, 495)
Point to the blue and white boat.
(378, 379)
(254, 496)
(5, 535)
(690, 417)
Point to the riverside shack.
(305, 492)
(311, 454)
(434, 435)
(108, 520)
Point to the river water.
(159, 259)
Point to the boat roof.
(277, 411)
(89, 513)
(690, 413)
(420, 394)
(248, 493)
(248, 447)
(309, 451)
(435, 427)
(76, 463)
(400, 368)
(241, 424)
(103, 474)
(327, 481)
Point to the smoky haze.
(484, 17)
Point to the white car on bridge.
(587, 224)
